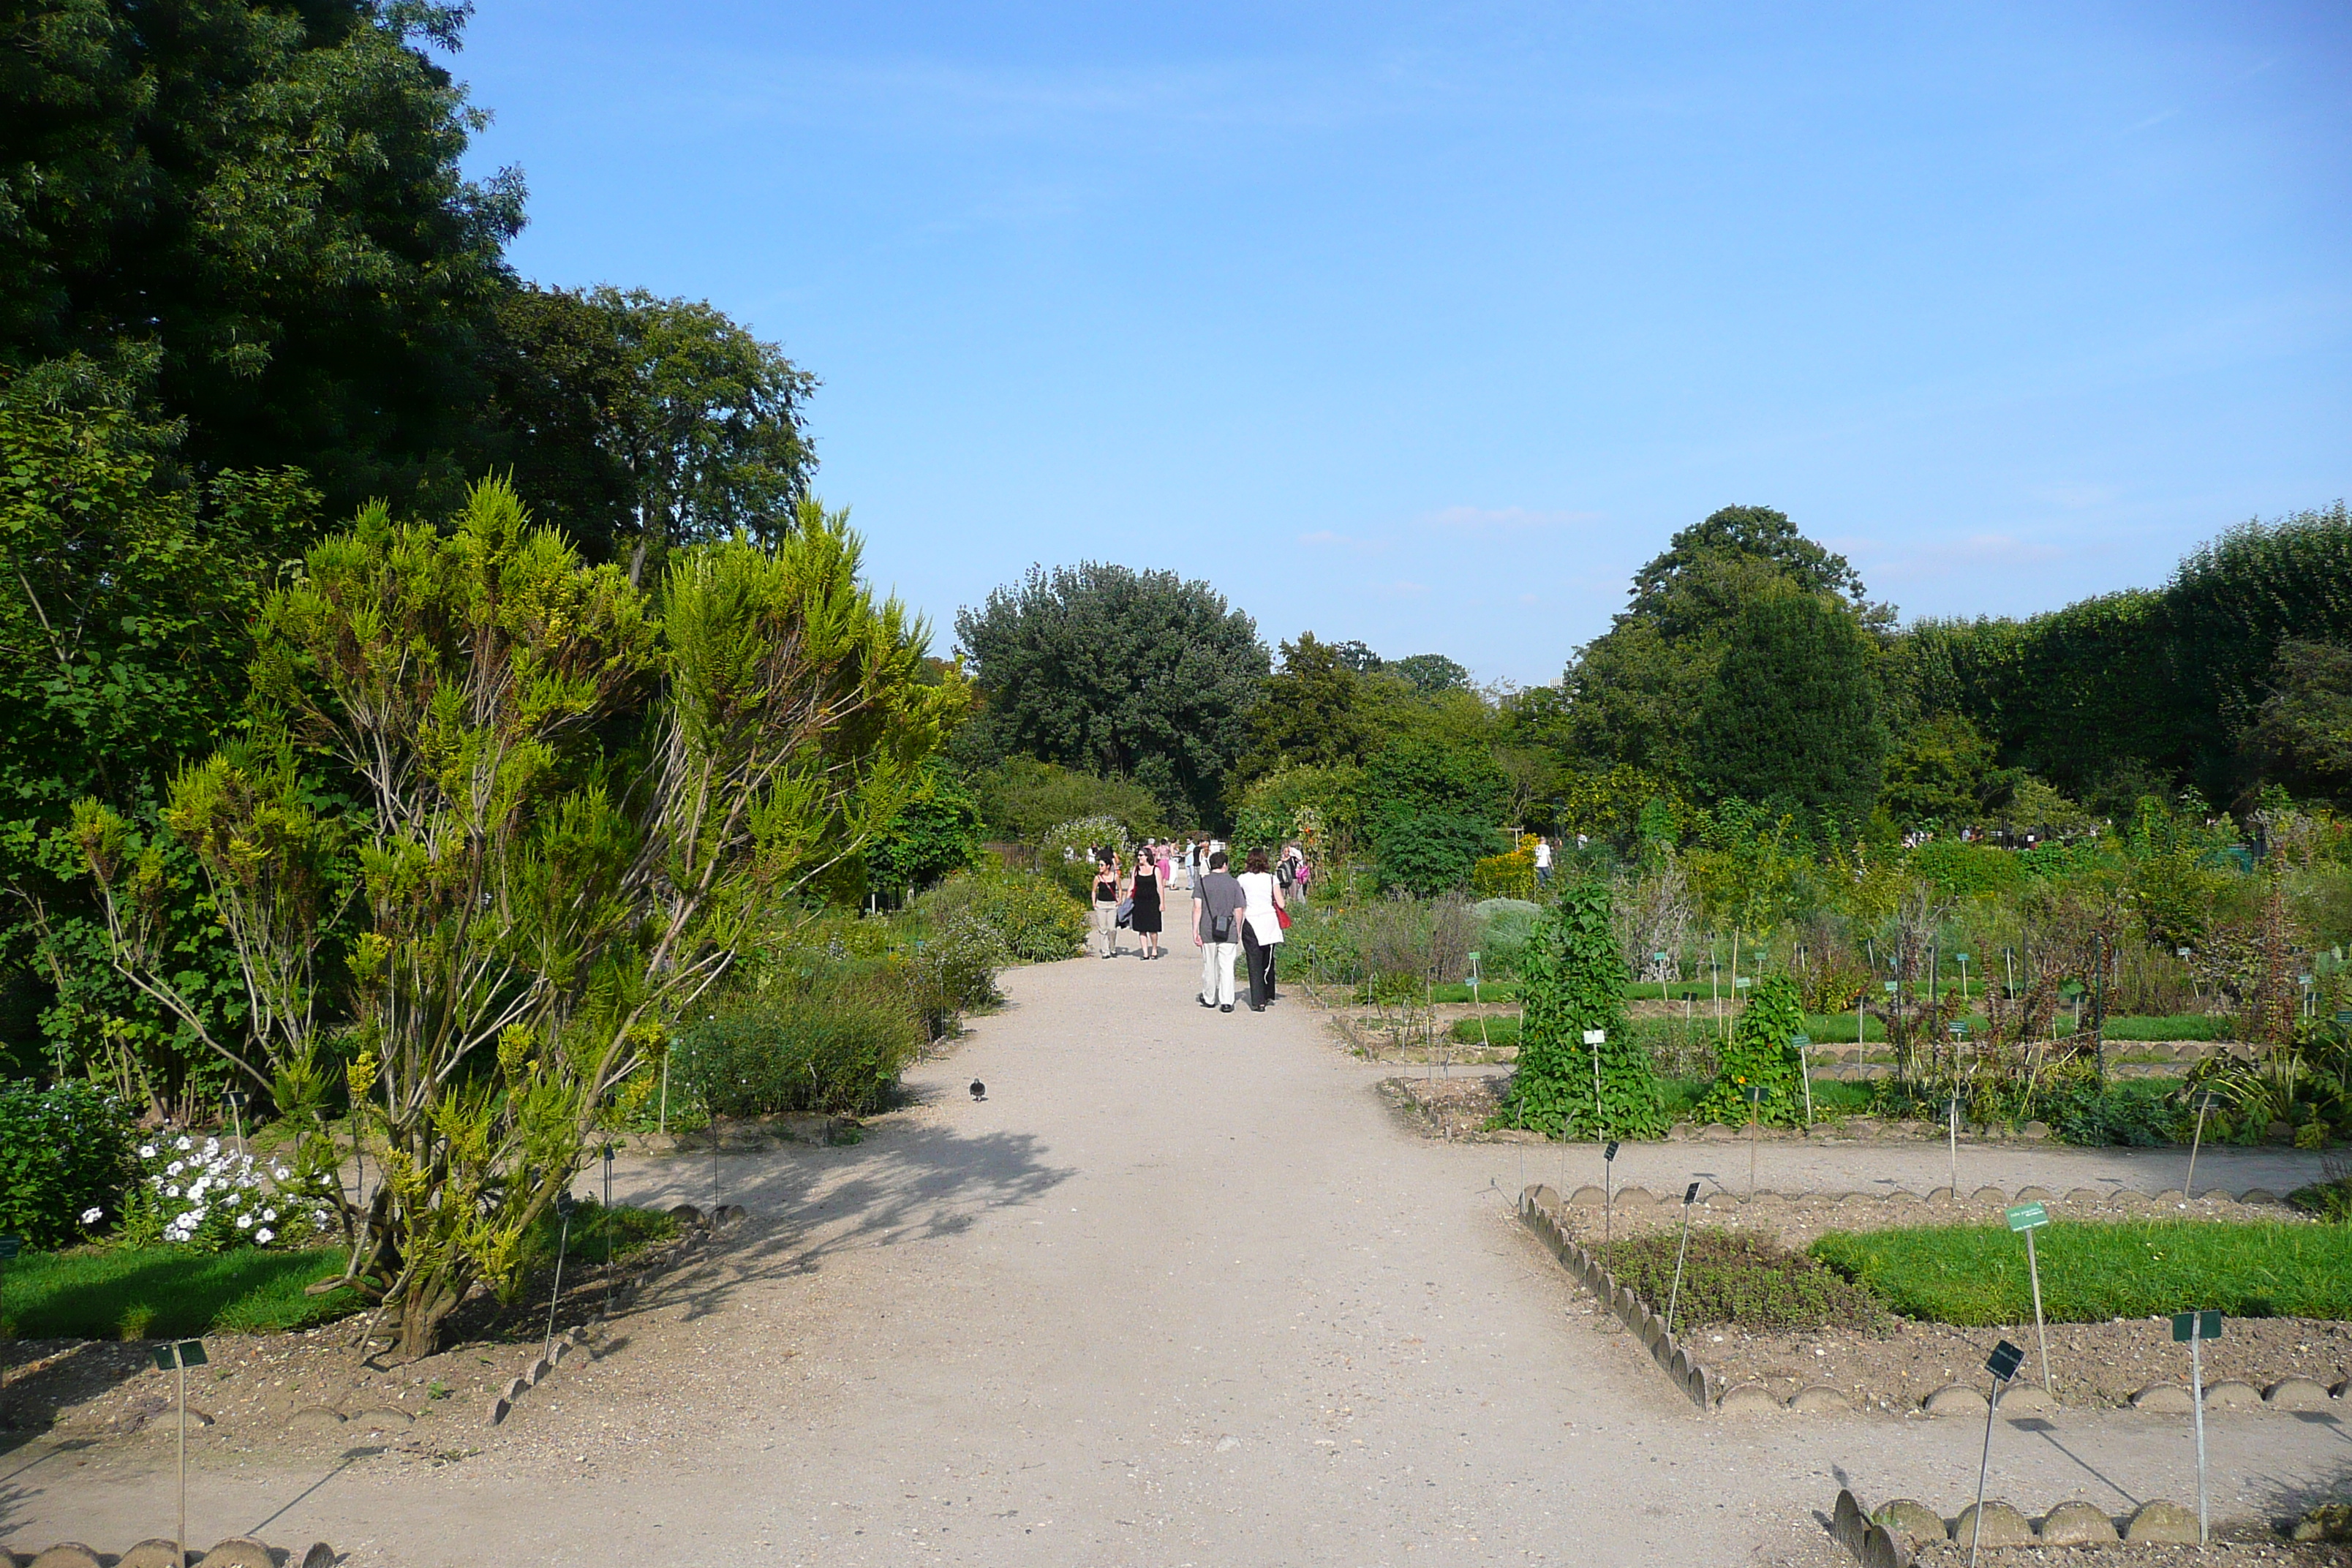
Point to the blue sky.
(1427, 325)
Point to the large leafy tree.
(1314, 711)
(127, 590)
(579, 801)
(1792, 713)
(1135, 674)
(1632, 693)
(268, 198)
(646, 424)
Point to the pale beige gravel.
(1180, 1290)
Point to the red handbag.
(1282, 917)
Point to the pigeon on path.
(978, 1090)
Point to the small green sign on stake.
(2193, 1329)
(1889, 986)
(10, 1246)
(2025, 1216)
(2187, 1326)
(2025, 1219)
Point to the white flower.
(212, 1146)
(197, 1188)
(92, 1215)
(175, 1167)
(265, 1235)
(146, 1150)
(280, 1171)
(195, 1216)
(245, 1222)
(186, 1143)
(270, 1215)
(170, 1192)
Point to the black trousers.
(1261, 967)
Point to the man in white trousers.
(1217, 932)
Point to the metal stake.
(564, 1206)
(2033, 1267)
(1984, 1464)
(1956, 1148)
(2197, 1395)
(2189, 1188)
(181, 1362)
(1675, 1294)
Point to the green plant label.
(1800, 1041)
(2187, 1326)
(2025, 1216)
(2344, 1015)
(164, 1362)
(1889, 986)
(1742, 981)
(10, 1246)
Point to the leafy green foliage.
(1741, 1278)
(1023, 800)
(834, 1049)
(1031, 920)
(645, 422)
(1312, 712)
(1976, 1276)
(1792, 713)
(1942, 770)
(1572, 979)
(1758, 1056)
(1140, 675)
(169, 1292)
(270, 202)
(1431, 852)
(2330, 1200)
(936, 832)
(64, 1151)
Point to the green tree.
(270, 198)
(534, 911)
(936, 832)
(651, 423)
(1942, 770)
(1683, 589)
(1572, 981)
(2303, 729)
(1311, 713)
(1023, 799)
(1428, 853)
(1429, 673)
(1792, 713)
(1134, 674)
(127, 592)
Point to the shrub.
(1503, 926)
(1032, 920)
(771, 1052)
(1511, 876)
(1737, 1277)
(65, 1158)
(1431, 852)
(954, 970)
(197, 1193)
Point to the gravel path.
(1180, 1291)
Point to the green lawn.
(1976, 1275)
(163, 1292)
(158, 1292)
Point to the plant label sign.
(2005, 1360)
(1800, 1041)
(1609, 1153)
(2187, 1326)
(2025, 1216)
(10, 1246)
(1595, 1037)
(183, 1353)
(1889, 986)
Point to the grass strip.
(1975, 1275)
(165, 1293)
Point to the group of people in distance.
(1234, 915)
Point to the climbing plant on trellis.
(1573, 980)
(1759, 1056)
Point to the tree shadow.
(63, 1374)
(807, 1205)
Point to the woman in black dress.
(1145, 891)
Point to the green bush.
(953, 972)
(1976, 1276)
(1032, 920)
(2330, 1199)
(1432, 852)
(64, 1152)
(773, 1051)
(1574, 982)
(1760, 1056)
(1504, 927)
(1738, 1277)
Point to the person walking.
(1106, 902)
(1217, 911)
(1543, 862)
(1143, 901)
(1261, 927)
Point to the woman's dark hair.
(1257, 860)
(1106, 855)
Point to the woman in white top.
(1261, 927)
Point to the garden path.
(1179, 1290)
